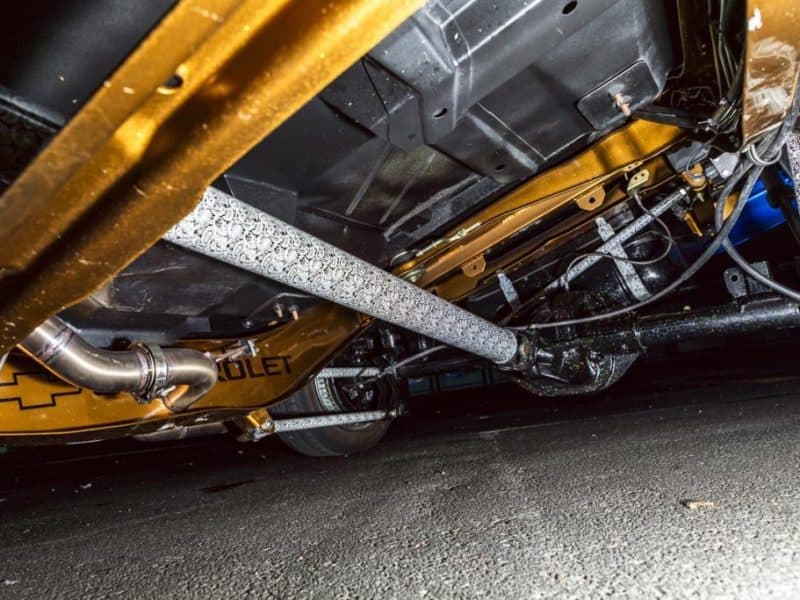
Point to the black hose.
(771, 146)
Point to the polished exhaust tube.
(236, 233)
(177, 375)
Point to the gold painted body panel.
(35, 402)
(772, 64)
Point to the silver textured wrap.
(229, 230)
(348, 372)
(793, 152)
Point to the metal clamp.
(626, 269)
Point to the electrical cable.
(771, 145)
(749, 269)
(757, 275)
(392, 369)
(775, 147)
(783, 197)
(789, 210)
(667, 235)
(753, 155)
(632, 261)
(741, 171)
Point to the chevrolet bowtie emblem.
(33, 389)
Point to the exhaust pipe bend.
(177, 375)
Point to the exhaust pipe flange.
(178, 376)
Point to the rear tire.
(323, 396)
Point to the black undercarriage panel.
(463, 100)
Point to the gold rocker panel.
(35, 402)
(772, 63)
(138, 156)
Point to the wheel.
(321, 396)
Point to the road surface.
(656, 493)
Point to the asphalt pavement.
(653, 492)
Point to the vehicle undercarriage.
(267, 217)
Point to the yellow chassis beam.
(449, 267)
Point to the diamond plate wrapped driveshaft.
(233, 232)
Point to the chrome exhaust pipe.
(177, 375)
(236, 233)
